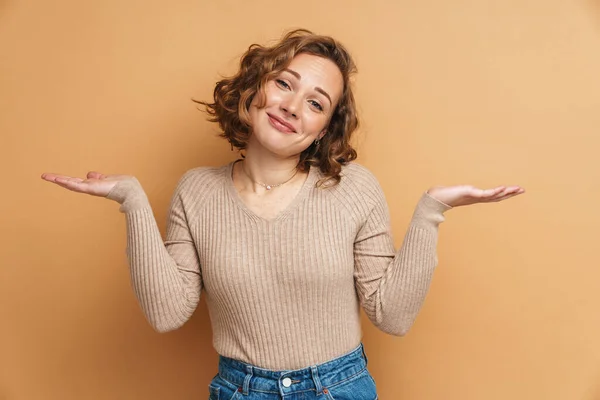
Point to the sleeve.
(391, 284)
(165, 276)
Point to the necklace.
(266, 186)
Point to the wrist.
(129, 194)
(434, 193)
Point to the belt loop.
(246, 387)
(316, 380)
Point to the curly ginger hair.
(260, 64)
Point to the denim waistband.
(315, 378)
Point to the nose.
(291, 105)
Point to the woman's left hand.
(456, 196)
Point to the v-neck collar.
(308, 184)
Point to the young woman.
(289, 241)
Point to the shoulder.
(205, 174)
(201, 180)
(358, 189)
(356, 174)
(360, 180)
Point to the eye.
(282, 83)
(316, 105)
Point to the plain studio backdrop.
(481, 92)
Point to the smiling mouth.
(280, 125)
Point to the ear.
(321, 134)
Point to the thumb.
(95, 175)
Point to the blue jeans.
(343, 378)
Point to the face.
(299, 104)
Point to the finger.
(487, 193)
(514, 190)
(74, 184)
(508, 196)
(507, 190)
(95, 175)
(68, 179)
(52, 177)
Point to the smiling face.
(298, 106)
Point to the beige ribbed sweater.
(282, 293)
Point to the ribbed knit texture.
(282, 293)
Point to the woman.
(287, 242)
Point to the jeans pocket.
(213, 392)
(220, 389)
(360, 387)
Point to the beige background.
(483, 92)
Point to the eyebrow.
(318, 89)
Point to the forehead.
(319, 72)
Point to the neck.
(261, 166)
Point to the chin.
(274, 142)
(281, 149)
(282, 144)
(283, 152)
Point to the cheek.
(260, 99)
(315, 123)
(265, 97)
(257, 100)
(271, 94)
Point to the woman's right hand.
(96, 184)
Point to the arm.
(392, 285)
(165, 276)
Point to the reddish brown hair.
(259, 65)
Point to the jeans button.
(287, 382)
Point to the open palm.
(464, 195)
(95, 184)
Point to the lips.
(280, 124)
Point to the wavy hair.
(260, 64)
